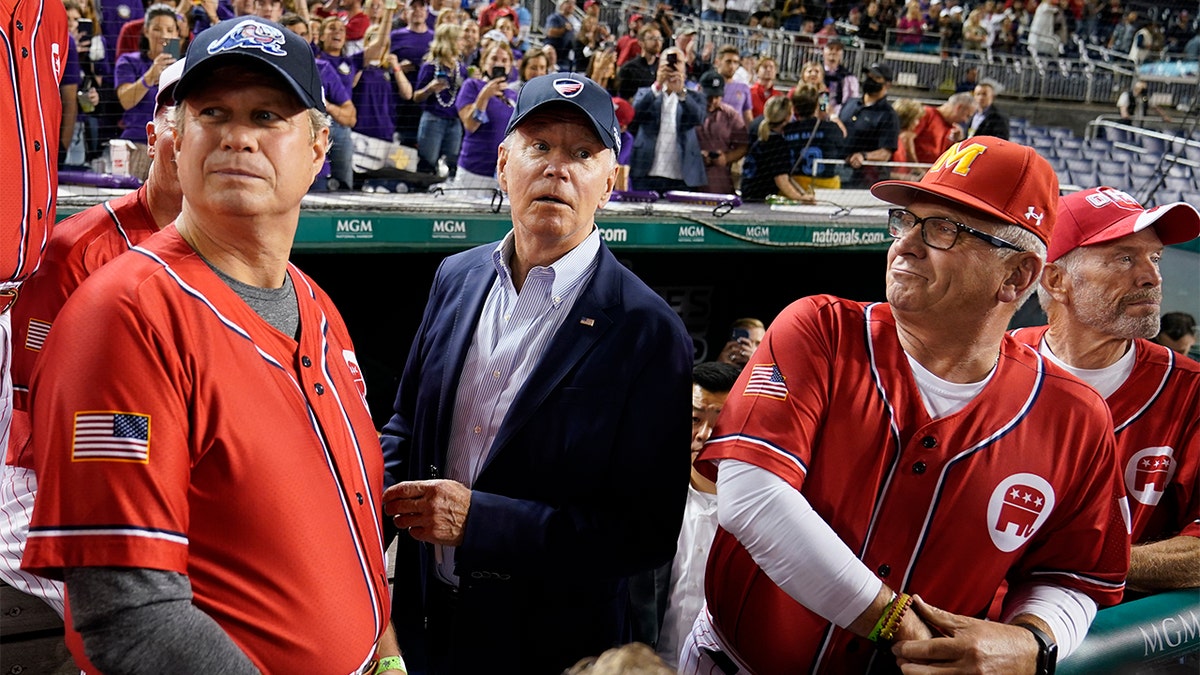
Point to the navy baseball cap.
(260, 41)
(577, 90)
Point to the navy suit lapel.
(590, 318)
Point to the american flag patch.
(35, 337)
(766, 380)
(111, 436)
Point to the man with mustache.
(1101, 290)
(539, 418)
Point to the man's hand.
(433, 511)
(736, 352)
(970, 646)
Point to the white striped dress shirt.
(513, 333)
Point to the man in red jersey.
(875, 452)
(78, 247)
(33, 51)
(209, 474)
(1101, 290)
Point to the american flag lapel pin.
(588, 321)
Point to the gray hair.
(1022, 238)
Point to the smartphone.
(441, 74)
(672, 59)
(84, 28)
(824, 101)
(499, 73)
(738, 334)
(172, 48)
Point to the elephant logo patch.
(1148, 472)
(1019, 505)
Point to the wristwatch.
(1047, 657)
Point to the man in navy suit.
(666, 152)
(534, 449)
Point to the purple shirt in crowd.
(375, 100)
(344, 66)
(71, 74)
(441, 104)
(737, 96)
(114, 15)
(480, 147)
(130, 68)
(410, 46)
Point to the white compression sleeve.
(1068, 612)
(792, 544)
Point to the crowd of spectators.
(423, 74)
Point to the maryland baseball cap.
(574, 89)
(882, 70)
(712, 84)
(166, 83)
(254, 39)
(991, 175)
(1105, 214)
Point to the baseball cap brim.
(1174, 223)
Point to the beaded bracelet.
(899, 607)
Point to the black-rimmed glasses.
(937, 232)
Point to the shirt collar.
(567, 270)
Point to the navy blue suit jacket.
(584, 485)
(647, 115)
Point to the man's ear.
(1024, 271)
(501, 164)
(1057, 282)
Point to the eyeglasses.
(939, 233)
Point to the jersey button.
(305, 361)
(884, 570)
(360, 498)
(20, 26)
(24, 53)
(37, 146)
(319, 388)
(929, 442)
(918, 468)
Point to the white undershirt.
(767, 515)
(1105, 380)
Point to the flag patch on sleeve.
(111, 436)
(36, 335)
(766, 380)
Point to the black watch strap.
(1047, 649)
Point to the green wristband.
(391, 663)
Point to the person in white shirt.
(711, 383)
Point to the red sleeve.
(128, 41)
(357, 25)
(774, 413)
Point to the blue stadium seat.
(1165, 197)
(1069, 153)
(1179, 170)
(1178, 183)
(1033, 130)
(1192, 197)
(1123, 156)
(1084, 179)
(1116, 135)
(1044, 144)
(1117, 180)
(1060, 132)
(1151, 144)
(1059, 165)
(1017, 123)
(1102, 144)
(1138, 170)
(1085, 165)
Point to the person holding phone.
(666, 148)
(485, 105)
(442, 73)
(137, 81)
(744, 337)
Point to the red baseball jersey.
(33, 50)
(1021, 484)
(175, 429)
(1156, 419)
(79, 246)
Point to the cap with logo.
(1104, 214)
(572, 89)
(712, 84)
(495, 36)
(881, 70)
(248, 38)
(1005, 180)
